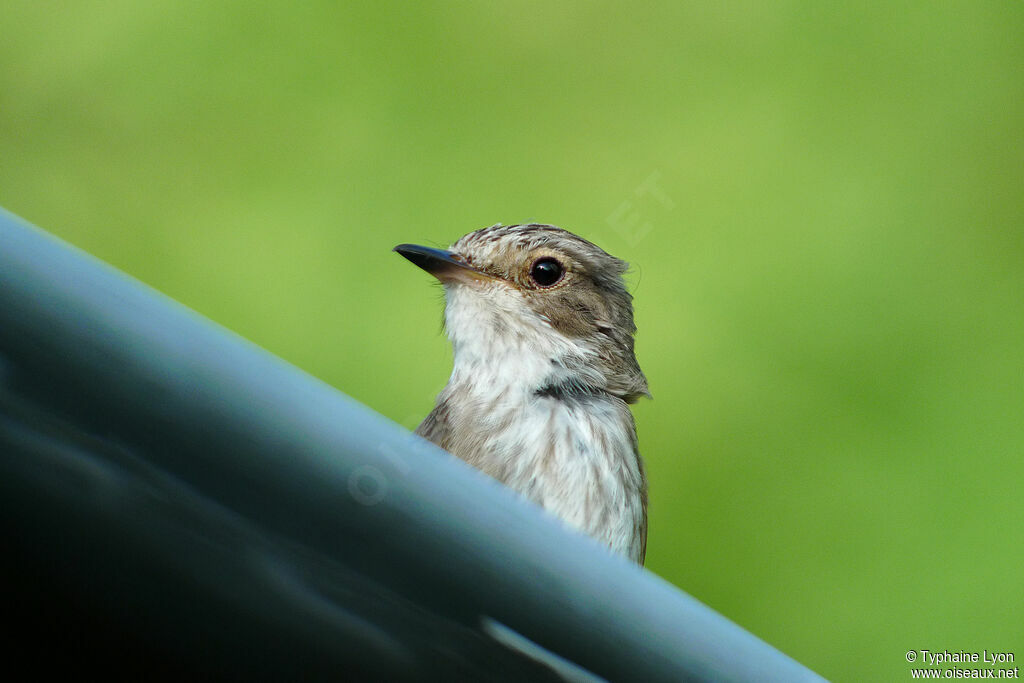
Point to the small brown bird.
(542, 330)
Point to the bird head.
(540, 301)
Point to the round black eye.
(546, 271)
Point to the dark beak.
(442, 264)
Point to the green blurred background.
(823, 204)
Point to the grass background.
(824, 204)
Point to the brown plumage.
(542, 329)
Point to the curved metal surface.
(177, 501)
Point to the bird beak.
(444, 265)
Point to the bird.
(544, 369)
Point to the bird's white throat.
(500, 345)
(532, 402)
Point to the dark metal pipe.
(177, 501)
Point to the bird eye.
(546, 271)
